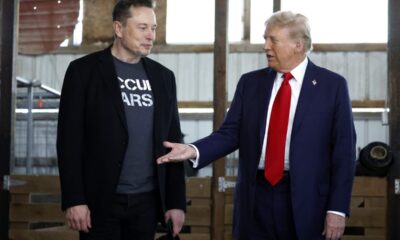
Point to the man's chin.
(145, 53)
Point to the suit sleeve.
(344, 151)
(70, 138)
(226, 139)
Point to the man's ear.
(299, 45)
(117, 26)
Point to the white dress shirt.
(295, 84)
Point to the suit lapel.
(265, 84)
(307, 93)
(109, 76)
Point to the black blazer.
(92, 133)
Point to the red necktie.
(278, 124)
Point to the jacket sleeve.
(175, 185)
(343, 152)
(70, 138)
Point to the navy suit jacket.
(322, 148)
(93, 136)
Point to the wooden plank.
(375, 202)
(347, 237)
(367, 202)
(197, 229)
(367, 217)
(195, 236)
(20, 212)
(161, 14)
(198, 216)
(19, 225)
(228, 214)
(199, 201)
(375, 231)
(16, 234)
(197, 187)
(233, 48)
(39, 184)
(189, 236)
(368, 103)
(228, 236)
(369, 186)
(221, 50)
(65, 234)
(246, 20)
(277, 5)
(20, 198)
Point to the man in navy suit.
(310, 195)
(117, 107)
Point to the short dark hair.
(122, 11)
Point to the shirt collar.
(298, 72)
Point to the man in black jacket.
(117, 107)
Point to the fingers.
(88, 220)
(179, 152)
(78, 218)
(168, 144)
(334, 226)
(177, 218)
(177, 227)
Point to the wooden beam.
(246, 20)
(8, 16)
(277, 5)
(220, 98)
(233, 48)
(368, 104)
(394, 116)
(161, 14)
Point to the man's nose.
(151, 34)
(267, 45)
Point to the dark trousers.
(273, 214)
(132, 217)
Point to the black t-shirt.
(137, 173)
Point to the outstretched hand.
(179, 152)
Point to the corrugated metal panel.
(358, 73)
(204, 74)
(377, 73)
(365, 72)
